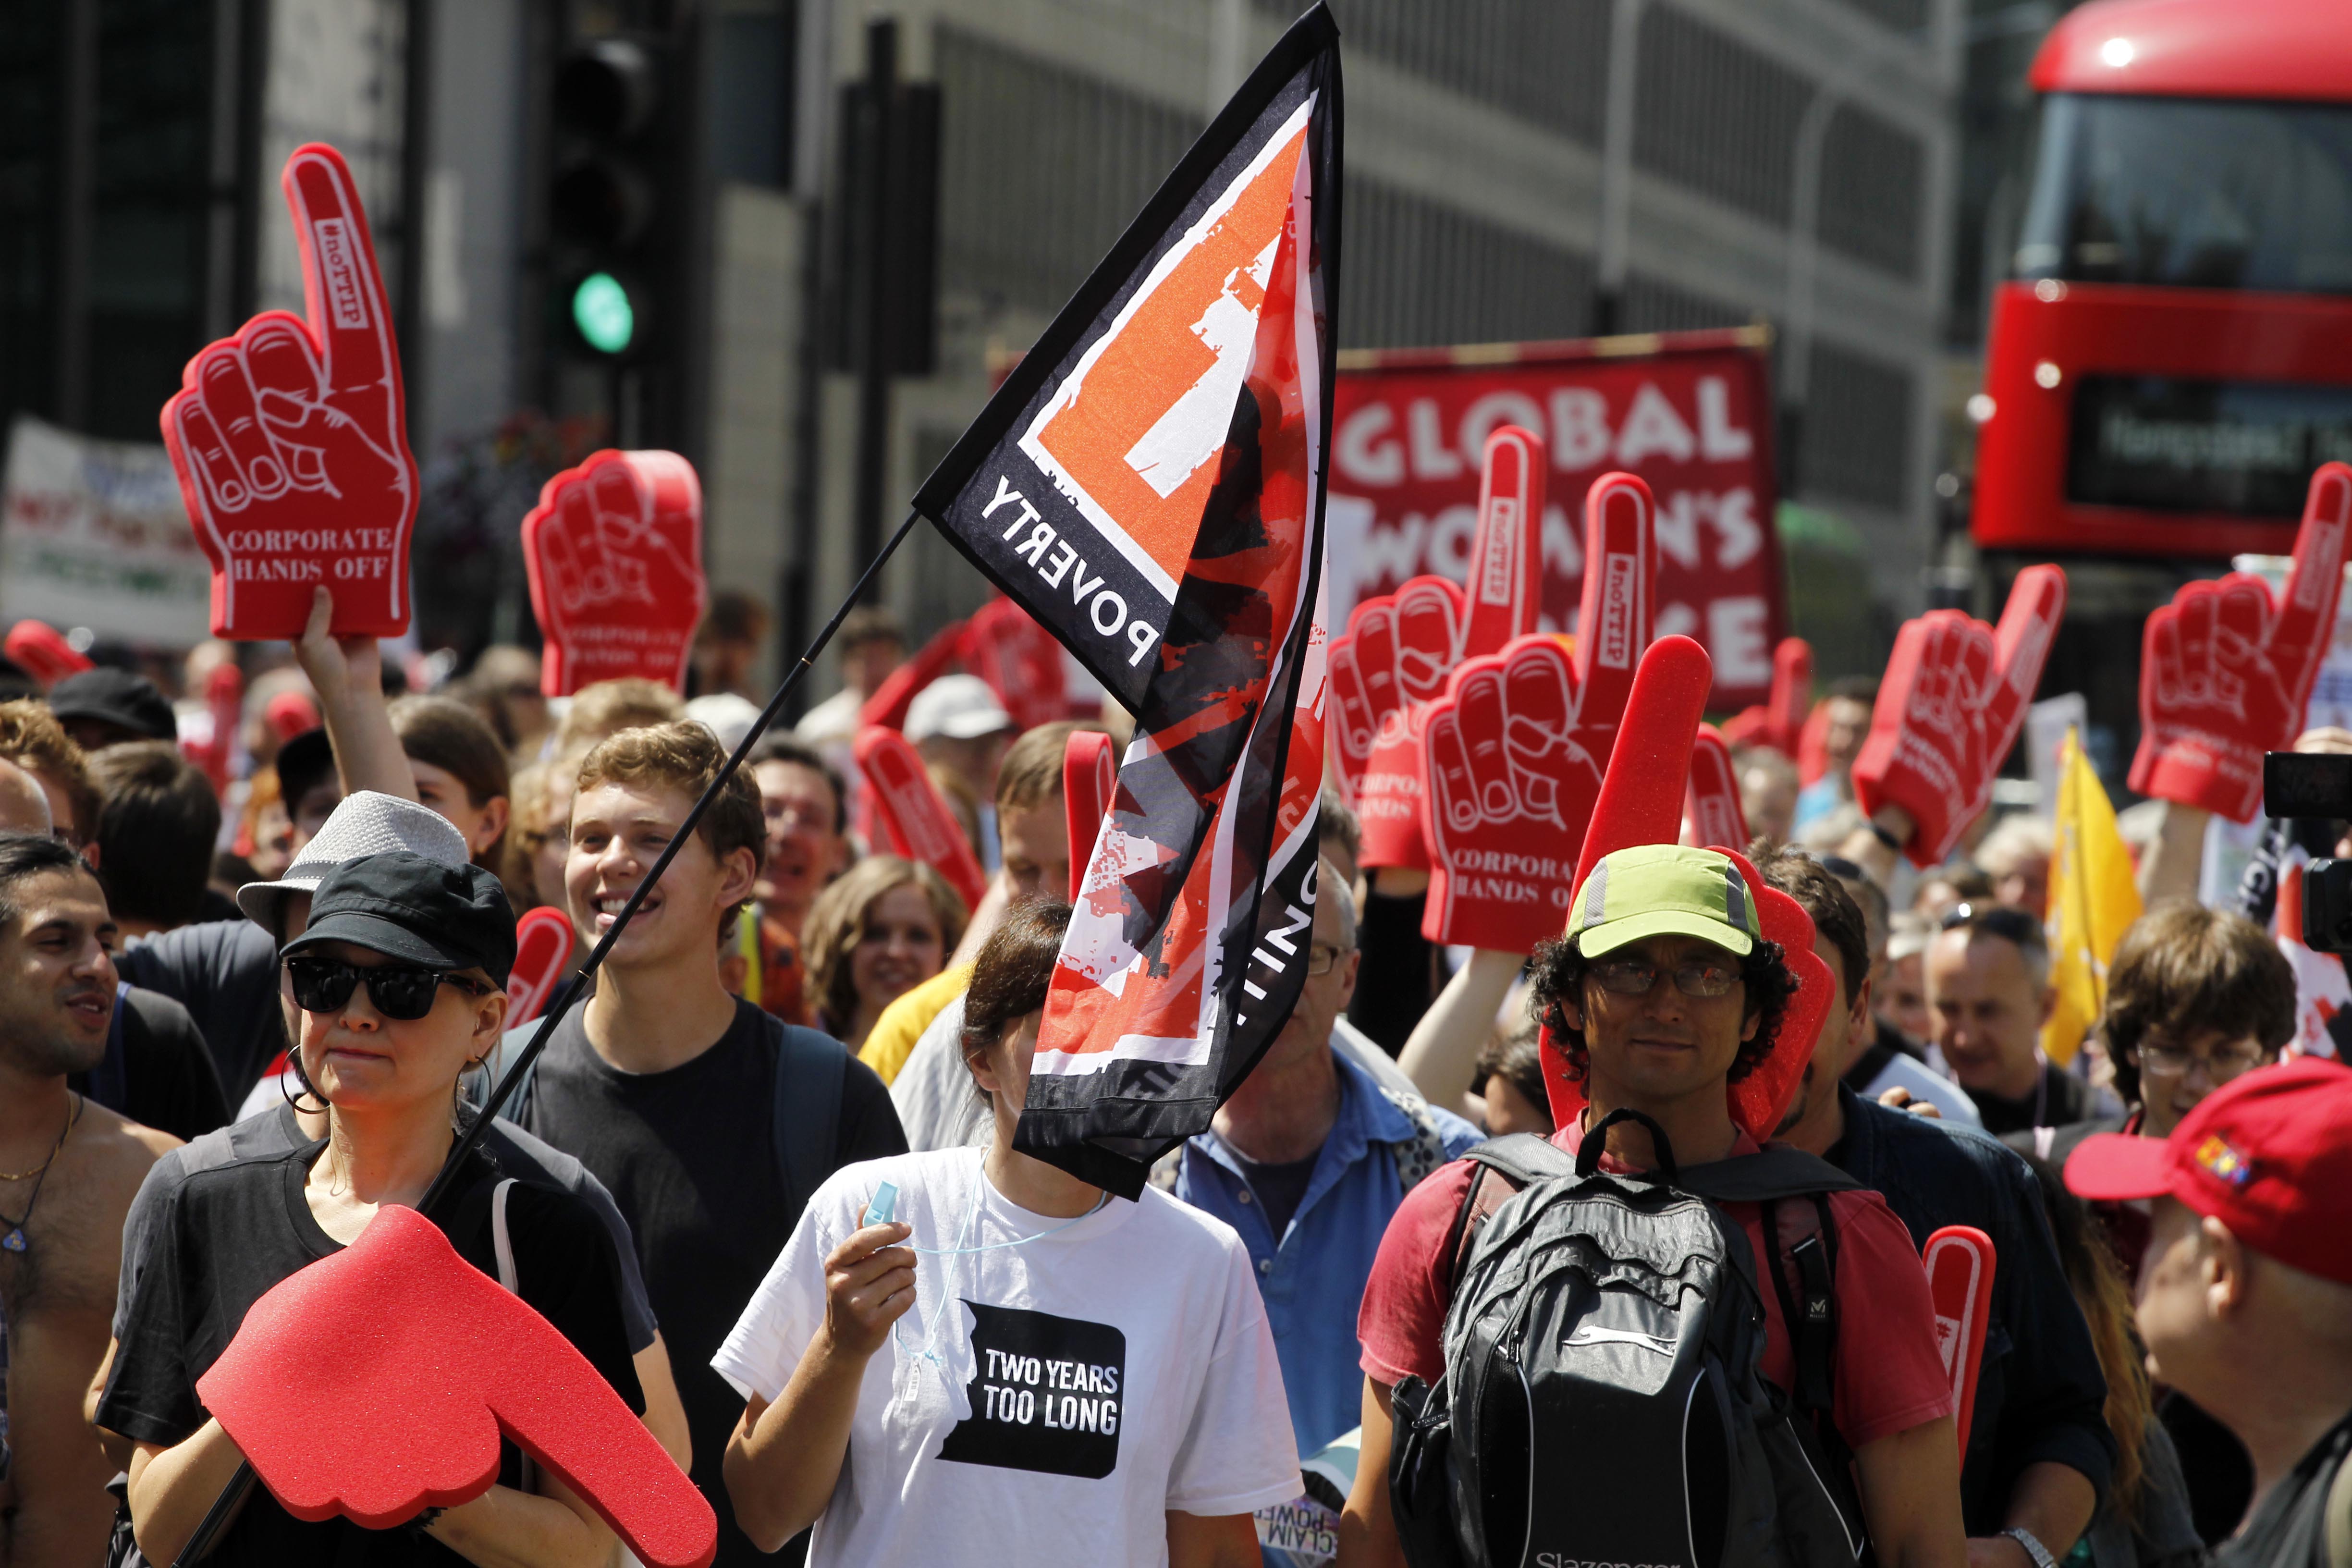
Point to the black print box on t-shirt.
(1045, 1394)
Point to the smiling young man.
(705, 1118)
(1662, 992)
(68, 1170)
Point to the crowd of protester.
(763, 1176)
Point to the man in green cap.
(1662, 992)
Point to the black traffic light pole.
(875, 356)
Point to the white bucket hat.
(367, 823)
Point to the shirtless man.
(68, 1172)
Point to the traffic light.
(609, 232)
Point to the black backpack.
(1602, 1404)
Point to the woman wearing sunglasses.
(400, 977)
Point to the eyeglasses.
(1631, 977)
(400, 991)
(2006, 922)
(1322, 958)
(2169, 1061)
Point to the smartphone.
(883, 1205)
(2307, 783)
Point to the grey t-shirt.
(276, 1131)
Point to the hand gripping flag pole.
(224, 1506)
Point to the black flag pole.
(224, 1506)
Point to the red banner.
(1693, 420)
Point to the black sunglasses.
(400, 991)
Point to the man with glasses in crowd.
(1989, 993)
(1309, 1161)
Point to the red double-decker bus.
(2172, 354)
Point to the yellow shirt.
(902, 1022)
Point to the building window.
(1544, 61)
(1414, 274)
(1041, 170)
(1871, 175)
(1651, 306)
(1857, 429)
(1711, 113)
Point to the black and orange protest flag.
(1148, 484)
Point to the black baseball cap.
(115, 697)
(417, 910)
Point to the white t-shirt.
(1045, 1402)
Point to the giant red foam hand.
(1961, 1263)
(1514, 752)
(1004, 645)
(433, 1361)
(290, 439)
(1399, 650)
(613, 550)
(1949, 707)
(2225, 671)
(1712, 812)
(1780, 721)
(913, 817)
(1090, 780)
(1396, 655)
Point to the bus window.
(2193, 194)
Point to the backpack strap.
(810, 1070)
(1499, 1169)
(1811, 1318)
(1424, 1152)
(1776, 1171)
(2335, 1516)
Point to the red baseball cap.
(2268, 1154)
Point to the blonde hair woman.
(884, 926)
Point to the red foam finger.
(1812, 745)
(46, 655)
(543, 943)
(2307, 618)
(1792, 694)
(1641, 799)
(1089, 779)
(2029, 624)
(1504, 596)
(343, 287)
(913, 813)
(1760, 1100)
(433, 1361)
(615, 594)
(1712, 808)
(1618, 606)
(888, 704)
(1960, 1265)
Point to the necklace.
(13, 1239)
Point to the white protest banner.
(93, 534)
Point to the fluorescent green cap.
(1655, 889)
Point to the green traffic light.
(600, 310)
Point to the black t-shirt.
(234, 1231)
(2289, 1530)
(690, 1155)
(224, 973)
(510, 1150)
(157, 1070)
(2059, 1097)
(1279, 1189)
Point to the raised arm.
(348, 674)
(1442, 1053)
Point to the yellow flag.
(2093, 896)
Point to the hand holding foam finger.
(1953, 698)
(289, 440)
(613, 551)
(2226, 670)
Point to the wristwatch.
(2034, 1548)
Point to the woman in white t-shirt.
(1018, 1368)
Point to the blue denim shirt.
(1312, 1278)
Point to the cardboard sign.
(613, 550)
(1516, 750)
(433, 1362)
(1959, 1262)
(1693, 420)
(2225, 669)
(1502, 602)
(45, 655)
(543, 942)
(915, 819)
(1781, 722)
(290, 439)
(1711, 811)
(1089, 779)
(1953, 698)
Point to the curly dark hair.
(1559, 972)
